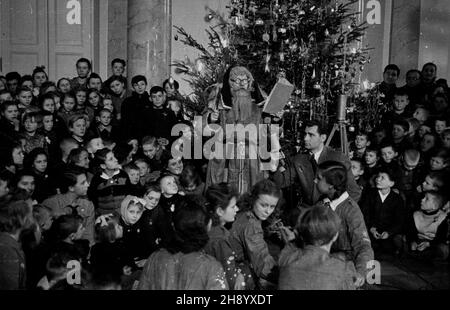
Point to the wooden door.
(53, 33)
(24, 39)
(70, 35)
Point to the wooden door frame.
(101, 18)
(5, 37)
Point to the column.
(405, 36)
(149, 37)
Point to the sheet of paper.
(279, 96)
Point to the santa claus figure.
(238, 101)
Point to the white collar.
(335, 203)
(317, 154)
(383, 197)
(107, 177)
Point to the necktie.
(313, 163)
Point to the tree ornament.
(276, 6)
(327, 33)
(266, 37)
(282, 56)
(301, 12)
(209, 18)
(282, 30)
(259, 22)
(267, 68)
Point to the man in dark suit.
(302, 169)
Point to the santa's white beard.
(242, 105)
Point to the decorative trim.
(387, 34)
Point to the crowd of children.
(87, 175)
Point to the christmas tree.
(313, 43)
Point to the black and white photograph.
(251, 146)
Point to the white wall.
(434, 43)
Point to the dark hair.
(6, 157)
(70, 94)
(40, 69)
(23, 89)
(429, 64)
(46, 85)
(15, 216)
(86, 61)
(157, 89)
(318, 226)
(189, 176)
(263, 187)
(78, 89)
(414, 71)
(39, 214)
(190, 221)
(390, 173)
(403, 123)
(401, 92)
(392, 67)
(219, 196)
(31, 157)
(120, 79)
(6, 176)
(30, 115)
(55, 94)
(335, 174)
(5, 91)
(357, 160)
(320, 128)
(175, 84)
(118, 60)
(441, 96)
(19, 194)
(100, 155)
(56, 266)
(149, 140)
(93, 75)
(64, 226)
(60, 80)
(440, 118)
(387, 143)
(440, 198)
(75, 118)
(138, 78)
(25, 78)
(441, 153)
(122, 151)
(439, 177)
(74, 156)
(44, 97)
(165, 158)
(12, 76)
(7, 104)
(154, 187)
(362, 133)
(130, 166)
(100, 112)
(93, 90)
(436, 139)
(107, 233)
(70, 178)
